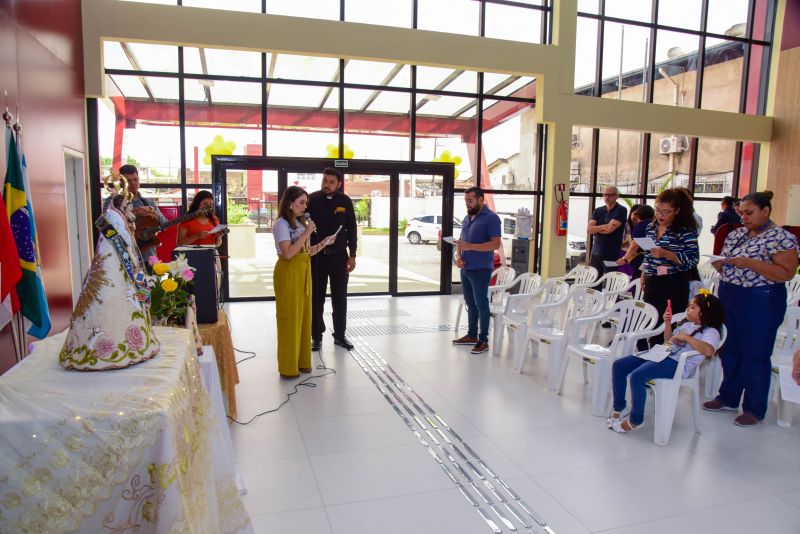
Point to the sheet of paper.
(449, 239)
(331, 238)
(218, 228)
(656, 354)
(610, 264)
(645, 242)
(713, 258)
(790, 391)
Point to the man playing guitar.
(144, 208)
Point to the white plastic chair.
(792, 299)
(634, 321)
(793, 291)
(584, 275)
(782, 355)
(616, 285)
(636, 287)
(515, 309)
(503, 276)
(551, 324)
(667, 390)
(520, 306)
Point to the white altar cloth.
(131, 450)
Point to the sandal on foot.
(623, 427)
(612, 418)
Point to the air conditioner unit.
(673, 144)
(508, 179)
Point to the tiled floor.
(337, 459)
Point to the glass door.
(401, 211)
(420, 231)
(371, 196)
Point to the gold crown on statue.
(117, 184)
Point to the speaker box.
(206, 283)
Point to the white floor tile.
(439, 512)
(554, 449)
(329, 402)
(310, 521)
(792, 497)
(337, 459)
(630, 492)
(767, 514)
(279, 485)
(371, 474)
(771, 463)
(355, 432)
(267, 440)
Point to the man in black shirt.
(329, 209)
(607, 226)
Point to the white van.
(576, 245)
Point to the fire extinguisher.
(561, 227)
(561, 217)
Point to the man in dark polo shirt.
(480, 237)
(330, 208)
(607, 226)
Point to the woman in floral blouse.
(759, 259)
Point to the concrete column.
(554, 248)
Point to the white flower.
(178, 265)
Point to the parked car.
(576, 245)
(426, 228)
(259, 214)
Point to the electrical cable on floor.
(245, 352)
(305, 382)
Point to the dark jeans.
(475, 285)
(333, 267)
(659, 289)
(641, 371)
(752, 315)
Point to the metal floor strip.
(497, 504)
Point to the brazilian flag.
(33, 301)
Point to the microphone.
(308, 219)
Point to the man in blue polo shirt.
(480, 237)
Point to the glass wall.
(170, 109)
(708, 54)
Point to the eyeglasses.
(664, 213)
(611, 194)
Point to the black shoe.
(316, 344)
(343, 342)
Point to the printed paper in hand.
(218, 228)
(610, 264)
(790, 390)
(645, 242)
(713, 258)
(449, 239)
(656, 354)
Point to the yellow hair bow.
(705, 292)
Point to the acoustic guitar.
(147, 228)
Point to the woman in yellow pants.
(292, 282)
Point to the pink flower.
(187, 274)
(134, 337)
(104, 347)
(152, 260)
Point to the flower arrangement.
(170, 292)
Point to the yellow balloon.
(446, 155)
(457, 160)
